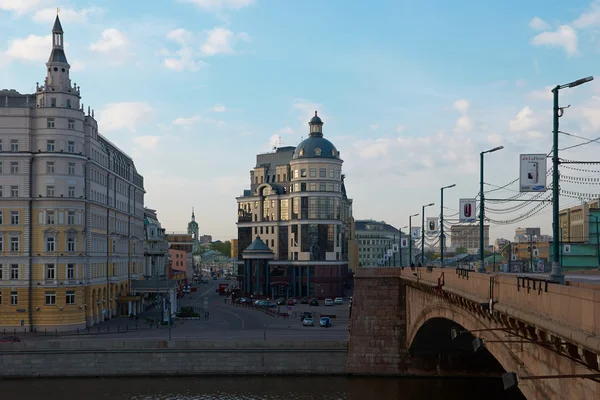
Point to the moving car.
(304, 300)
(325, 322)
(313, 302)
(328, 302)
(280, 301)
(338, 301)
(305, 315)
(9, 339)
(308, 322)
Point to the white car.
(308, 322)
(328, 302)
(338, 301)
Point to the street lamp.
(557, 273)
(423, 234)
(410, 238)
(400, 245)
(442, 223)
(482, 207)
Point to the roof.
(12, 98)
(57, 28)
(374, 226)
(316, 120)
(258, 246)
(316, 147)
(58, 55)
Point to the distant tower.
(194, 231)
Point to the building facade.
(71, 208)
(180, 251)
(374, 239)
(156, 247)
(194, 230)
(206, 239)
(467, 236)
(575, 222)
(234, 248)
(297, 218)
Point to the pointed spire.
(193, 215)
(57, 28)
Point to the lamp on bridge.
(423, 234)
(482, 208)
(410, 239)
(442, 238)
(511, 380)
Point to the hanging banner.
(404, 242)
(536, 252)
(415, 232)
(532, 175)
(390, 253)
(567, 248)
(513, 257)
(380, 262)
(432, 225)
(466, 208)
(395, 248)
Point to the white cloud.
(67, 15)
(19, 7)
(400, 128)
(523, 121)
(374, 126)
(216, 5)
(111, 40)
(187, 121)
(521, 83)
(588, 18)
(307, 110)
(462, 106)
(218, 108)
(77, 66)
(285, 131)
(31, 48)
(564, 36)
(538, 24)
(126, 116)
(147, 143)
(543, 94)
(221, 41)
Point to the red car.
(291, 302)
(9, 339)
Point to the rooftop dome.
(316, 146)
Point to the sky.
(410, 93)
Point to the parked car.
(338, 301)
(204, 280)
(291, 302)
(325, 322)
(328, 302)
(308, 322)
(281, 301)
(10, 339)
(313, 302)
(214, 278)
(305, 315)
(304, 300)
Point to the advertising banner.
(390, 253)
(395, 248)
(415, 232)
(532, 173)
(432, 225)
(466, 208)
(404, 242)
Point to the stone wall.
(378, 323)
(91, 358)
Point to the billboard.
(432, 225)
(532, 173)
(415, 232)
(395, 248)
(404, 242)
(466, 209)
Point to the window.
(50, 298)
(1, 217)
(14, 191)
(14, 218)
(71, 192)
(71, 147)
(295, 174)
(322, 187)
(313, 187)
(14, 272)
(114, 246)
(50, 271)
(313, 172)
(69, 104)
(14, 145)
(53, 102)
(303, 172)
(71, 168)
(49, 167)
(50, 243)
(70, 217)
(50, 220)
(70, 271)
(14, 298)
(14, 244)
(14, 167)
(50, 144)
(50, 122)
(1, 165)
(1, 250)
(331, 173)
(70, 299)
(71, 244)
(50, 191)
(1, 191)
(323, 172)
(71, 124)
(1, 145)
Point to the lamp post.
(400, 244)
(557, 112)
(410, 238)
(442, 223)
(482, 208)
(423, 234)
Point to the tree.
(461, 250)
(223, 247)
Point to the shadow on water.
(258, 388)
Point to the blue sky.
(410, 92)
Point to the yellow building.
(574, 222)
(234, 248)
(71, 209)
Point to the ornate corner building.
(294, 223)
(71, 209)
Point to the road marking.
(241, 319)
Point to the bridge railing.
(563, 306)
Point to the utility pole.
(482, 209)
(410, 240)
(442, 238)
(531, 253)
(423, 234)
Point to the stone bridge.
(402, 321)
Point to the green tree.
(223, 247)
(461, 250)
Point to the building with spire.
(194, 230)
(294, 222)
(71, 209)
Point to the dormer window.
(318, 152)
(301, 152)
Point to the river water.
(255, 388)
